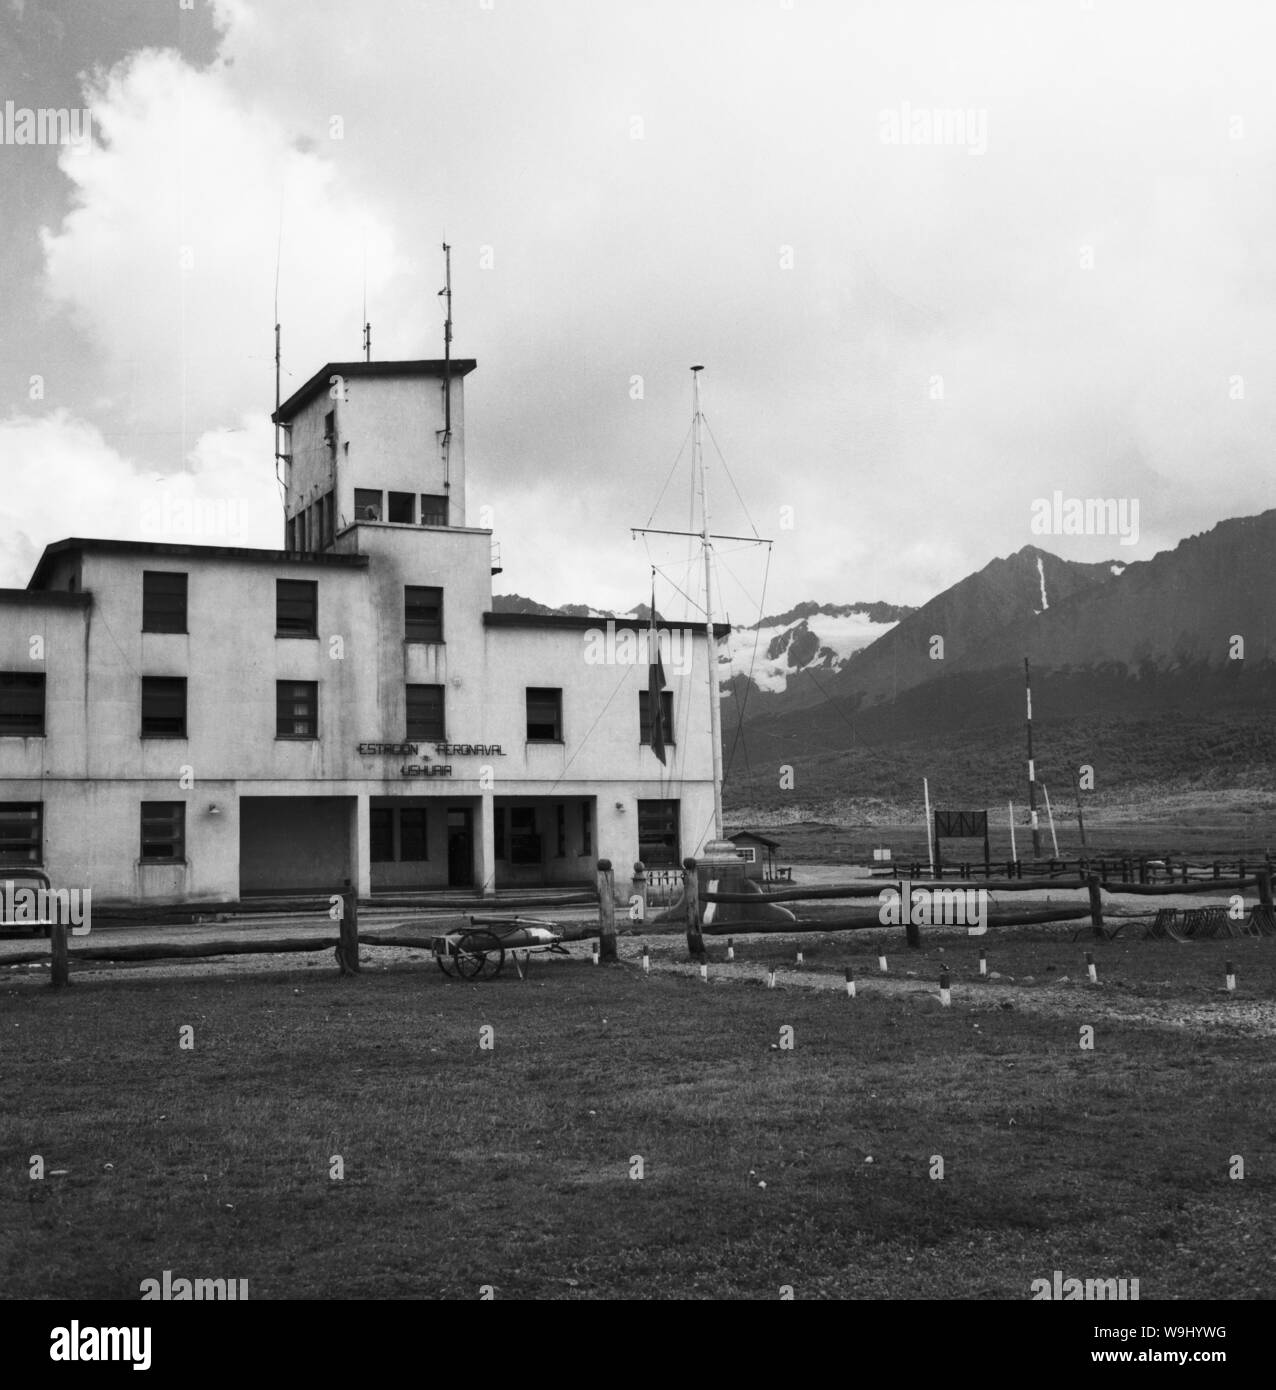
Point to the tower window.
(401, 505)
(367, 504)
(433, 510)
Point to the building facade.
(190, 722)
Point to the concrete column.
(361, 847)
(485, 846)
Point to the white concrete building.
(189, 722)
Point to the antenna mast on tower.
(447, 369)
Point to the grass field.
(514, 1168)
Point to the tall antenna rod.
(447, 370)
(706, 548)
(367, 327)
(1032, 770)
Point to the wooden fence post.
(61, 965)
(606, 911)
(691, 896)
(1096, 905)
(348, 945)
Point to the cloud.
(167, 259)
(1110, 133)
(59, 478)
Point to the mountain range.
(1158, 673)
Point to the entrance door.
(460, 848)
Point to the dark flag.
(655, 684)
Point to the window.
(422, 614)
(401, 505)
(330, 428)
(433, 510)
(327, 513)
(21, 832)
(560, 816)
(163, 706)
(658, 838)
(296, 607)
(381, 834)
(644, 716)
(498, 832)
(163, 832)
(398, 835)
(290, 534)
(525, 843)
(544, 715)
(22, 704)
(367, 504)
(587, 828)
(296, 709)
(413, 841)
(747, 853)
(425, 713)
(163, 601)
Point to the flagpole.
(706, 546)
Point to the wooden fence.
(344, 913)
(1128, 869)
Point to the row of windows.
(164, 710)
(397, 834)
(162, 839)
(371, 504)
(164, 607)
(314, 527)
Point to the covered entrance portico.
(295, 844)
(424, 842)
(539, 840)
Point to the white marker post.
(881, 964)
(730, 948)
(1014, 853)
(1045, 791)
(594, 956)
(850, 983)
(930, 847)
(1089, 965)
(945, 993)
(704, 971)
(646, 959)
(1231, 977)
(770, 979)
(799, 955)
(983, 963)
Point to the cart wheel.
(473, 953)
(446, 963)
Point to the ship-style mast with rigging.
(706, 538)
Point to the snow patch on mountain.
(822, 642)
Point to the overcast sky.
(906, 341)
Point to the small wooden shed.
(759, 854)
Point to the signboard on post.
(962, 825)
